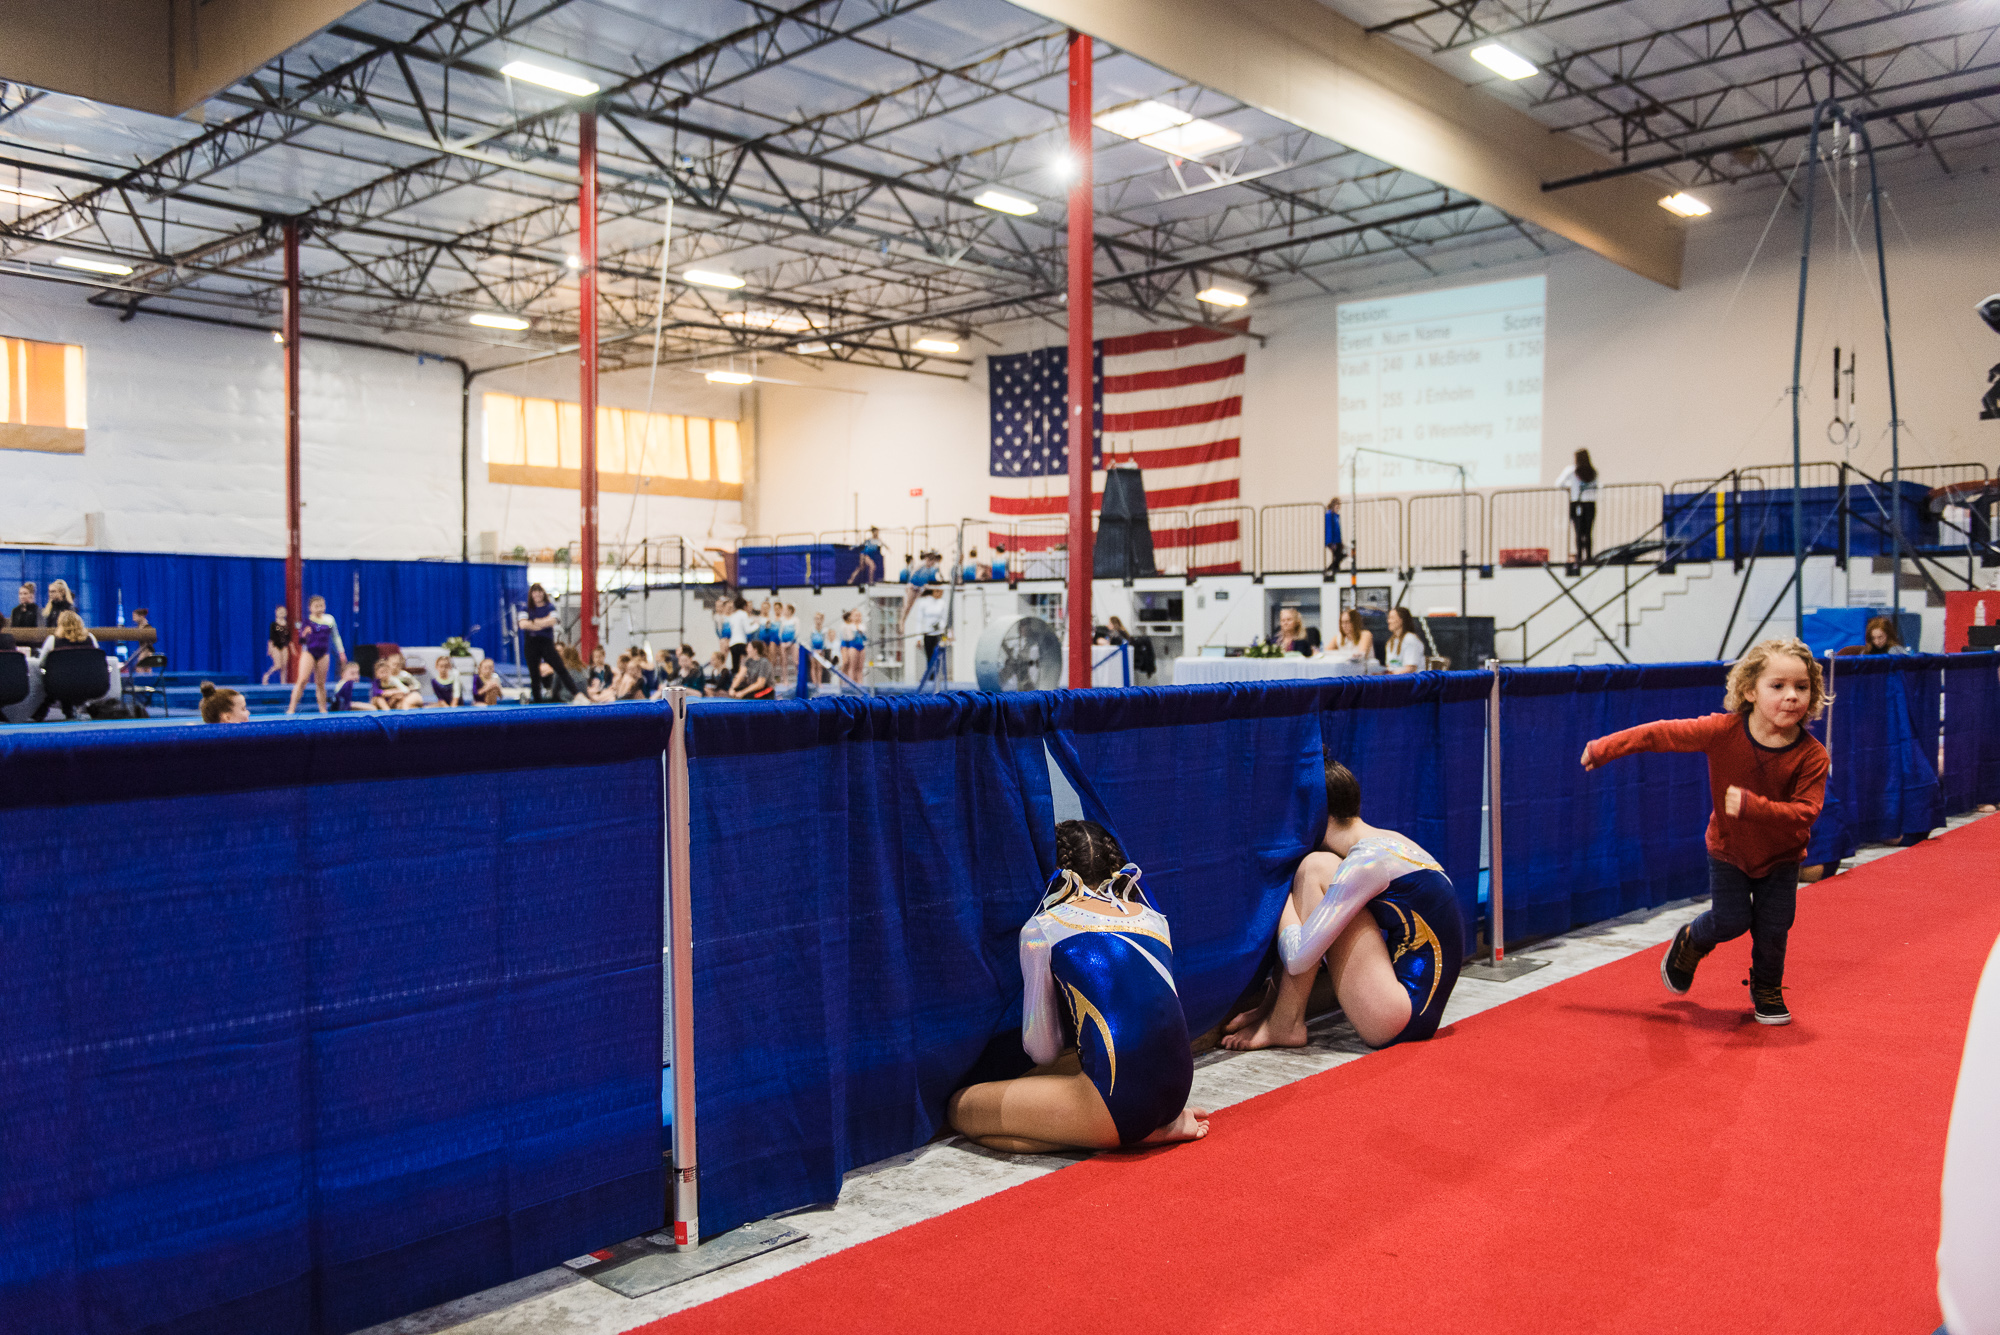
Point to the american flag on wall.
(1170, 401)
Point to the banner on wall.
(1170, 401)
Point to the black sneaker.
(1677, 966)
(1768, 1003)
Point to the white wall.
(185, 445)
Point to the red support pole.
(294, 562)
(1082, 381)
(586, 156)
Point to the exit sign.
(916, 491)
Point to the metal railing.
(1692, 519)
(1437, 531)
(1225, 540)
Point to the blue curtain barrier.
(305, 1026)
(1883, 727)
(862, 868)
(1579, 846)
(1971, 684)
(213, 612)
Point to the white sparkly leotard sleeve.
(1364, 873)
(1041, 1020)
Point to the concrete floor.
(944, 1175)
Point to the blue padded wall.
(1971, 725)
(304, 1026)
(862, 868)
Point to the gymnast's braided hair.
(1087, 848)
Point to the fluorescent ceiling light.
(556, 79)
(810, 347)
(21, 194)
(1223, 294)
(1002, 202)
(1168, 129)
(784, 322)
(1141, 119)
(712, 278)
(931, 343)
(1684, 205)
(728, 378)
(93, 266)
(1196, 139)
(1505, 63)
(485, 321)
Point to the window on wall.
(539, 443)
(41, 396)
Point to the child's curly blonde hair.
(1743, 675)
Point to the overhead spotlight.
(1683, 205)
(728, 378)
(93, 266)
(278, 337)
(1063, 167)
(712, 278)
(546, 78)
(488, 321)
(810, 347)
(573, 261)
(935, 343)
(1002, 202)
(1224, 293)
(1507, 64)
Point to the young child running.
(1767, 776)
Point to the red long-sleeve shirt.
(1783, 787)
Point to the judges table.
(1195, 671)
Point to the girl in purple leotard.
(319, 643)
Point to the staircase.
(1658, 594)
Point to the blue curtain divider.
(1884, 722)
(212, 612)
(849, 978)
(1577, 846)
(379, 1030)
(1971, 726)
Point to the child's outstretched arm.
(1673, 734)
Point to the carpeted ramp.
(1597, 1156)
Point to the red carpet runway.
(1597, 1156)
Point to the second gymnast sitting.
(1393, 967)
(1097, 967)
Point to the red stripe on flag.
(1165, 339)
(1182, 457)
(1164, 498)
(1174, 376)
(1192, 415)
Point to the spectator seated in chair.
(73, 668)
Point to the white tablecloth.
(1192, 671)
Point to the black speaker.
(1124, 548)
(1466, 641)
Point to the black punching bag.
(1124, 537)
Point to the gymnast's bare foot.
(1255, 1014)
(1267, 1034)
(1192, 1124)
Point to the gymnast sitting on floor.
(1393, 968)
(1097, 965)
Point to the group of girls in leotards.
(1097, 975)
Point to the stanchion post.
(680, 974)
(1497, 917)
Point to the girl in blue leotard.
(1097, 972)
(1381, 914)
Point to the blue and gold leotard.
(1108, 981)
(1412, 901)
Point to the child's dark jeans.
(1762, 906)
